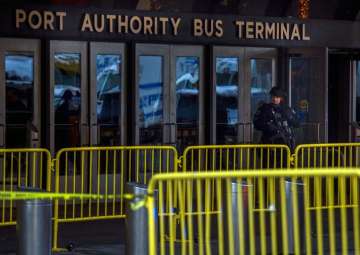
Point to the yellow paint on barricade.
(292, 224)
(329, 155)
(104, 171)
(25, 195)
(21, 195)
(235, 157)
(25, 168)
(223, 158)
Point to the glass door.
(20, 114)
(186, 96)
(151, 79)
(107, 112)
(107, 89)
(260, 69)
(242, 79)
(169, 95)
(68, 110)
(228, 95)
(307, 86)
(68, 95)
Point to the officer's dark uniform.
(276, 122)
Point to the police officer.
(276, 120)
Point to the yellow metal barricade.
(104, 171)
(295, 222)
(328, 155)
(27, 168)
(235, 157)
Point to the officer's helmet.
(277, 92)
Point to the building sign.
(121, 24)
(272, 30)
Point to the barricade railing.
(35, 217)
(328, 223)
(104, 171)
(327, 155)
(28, 168)
(235, 157)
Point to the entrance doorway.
(69, 126)
(242, 79)
(19, 93)
(344, 91)
(307, 86)
(169, 95)
(339, 96)
(107, 94)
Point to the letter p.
(20, 17)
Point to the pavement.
(85, 238)
(106, 237)
(96, 250)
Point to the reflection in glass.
(301, 86)
(187, 101)
(67, 100)
(227, 96)
(108, 93)
(150, 99)
(19, 78)
(303, 95)
(261, 82)
(300, 81)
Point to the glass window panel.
(187, 100)
(67, 99)
(227, 97)
(150, 99)
(19, 78)
(302, 82)
(261, 82)
(108, 95)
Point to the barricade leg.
(56, 227)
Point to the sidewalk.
(89, 238)
(96, 250)
(91, 250)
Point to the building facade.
(84, 76)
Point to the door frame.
(227, 52)
(169, 54)
(73, 47)
(106, 48)
(321, 82)
(152, 50)
(32, 46)
(187, 51)
(244, 55)
(354, 129)
(256, 53)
